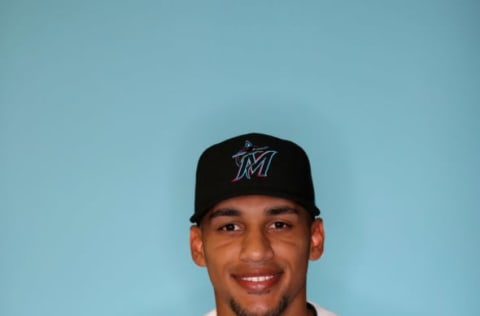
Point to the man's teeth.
(258, 278)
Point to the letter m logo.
(252, 161)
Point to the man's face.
(256, 249)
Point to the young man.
(255, 226)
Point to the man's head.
(255, 227)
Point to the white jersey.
(320, 311)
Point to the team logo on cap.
(252, 160)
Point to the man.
(255, 226)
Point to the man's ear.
(317, 235)
(196, 245)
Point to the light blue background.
(106, 105)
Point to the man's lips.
(257, 283)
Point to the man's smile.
(257, 283)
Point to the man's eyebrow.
(224, 212)
(281, 210)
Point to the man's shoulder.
(322, 311)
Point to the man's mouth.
(258, 278)
(259, 283)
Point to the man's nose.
(256, 246)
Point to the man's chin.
(259, 309)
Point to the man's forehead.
(255, 204)
(272, 211)
(263, 202)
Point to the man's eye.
(229, 227)
(279, 225)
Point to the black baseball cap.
(253, 164)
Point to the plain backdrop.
(105, 107)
